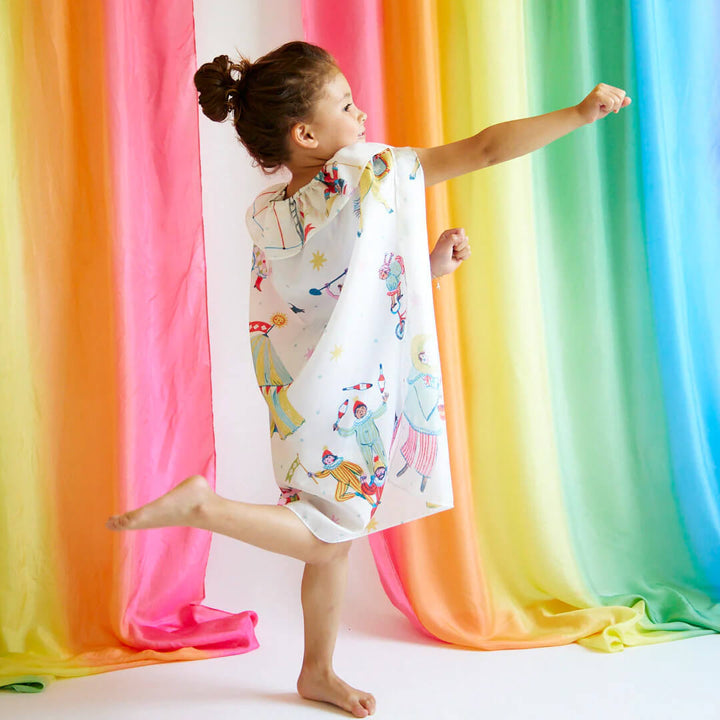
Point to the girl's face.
(337, 121)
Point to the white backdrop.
(240, 577)
(229, 184)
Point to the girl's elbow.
(484, 155)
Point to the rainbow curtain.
(105, 374)
(580, 343)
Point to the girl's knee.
(331, 552)
(343, 548)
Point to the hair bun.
(267, 97)
(219, 91)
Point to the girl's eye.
(347, 107)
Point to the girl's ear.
(302, 136)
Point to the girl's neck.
(300, 177)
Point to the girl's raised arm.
(512, 139)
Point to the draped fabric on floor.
(581, 342)
(104, 359)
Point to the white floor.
(377, 649)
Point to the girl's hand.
(451, 249)
(603, 100)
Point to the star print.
(337, 352)
(372, 525)
(318, 260)
(308, 353)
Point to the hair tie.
(233, 96)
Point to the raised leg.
(323, 589)
(193, 503)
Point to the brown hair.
(268, 98)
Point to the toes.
(358, 710)
(368, 703)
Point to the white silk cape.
(344, 344)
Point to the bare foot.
(174, 508)
(326, 686)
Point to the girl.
(341, 325)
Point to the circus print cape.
(344, 344)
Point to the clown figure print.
(348, 476)
(393, 273)
(422, 419)
(366, 432)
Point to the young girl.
(341, 325)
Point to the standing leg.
(323, 589)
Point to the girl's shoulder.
(281, 225)
(255, 213)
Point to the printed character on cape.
(376, 482)
(422, 413)
(259, 267)
(348, 475)
(392, 272)
(273, 378)
(366, 432)
(333, 288)
(371, 181)
(288, 495)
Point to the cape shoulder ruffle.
(281, 226)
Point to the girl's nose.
(363, 115)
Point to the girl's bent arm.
(512, 139)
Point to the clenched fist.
(449, 252)
(603, 100)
